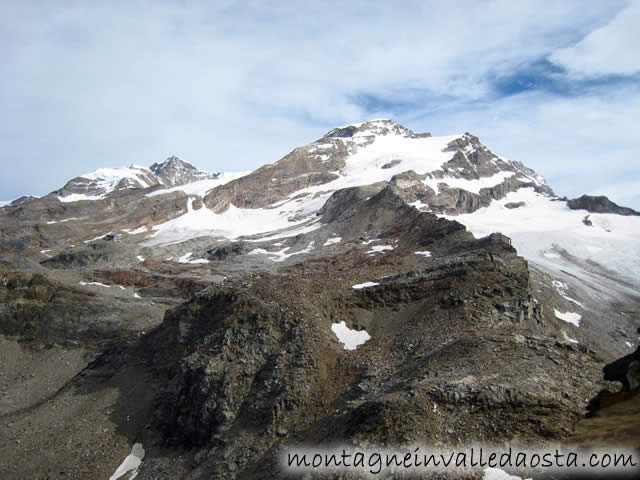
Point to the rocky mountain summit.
(174, 171)
(374, 287)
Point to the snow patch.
(135, 231)
(365, 285)
(419, 204)
(332, 241)
(568, 338)
(186, 258)
(351, 339)
(562, 288)
(78, 197)
(473, 186)
(94, 283)
(99, 237)
(569, 317)
(281, 255)
(379, 248)
(140, 258)
(426, 253)
(129, 467)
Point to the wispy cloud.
(231, 85)
(609, 50)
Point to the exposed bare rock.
(599, 204)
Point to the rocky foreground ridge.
(199, 319)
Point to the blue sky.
(232, 85)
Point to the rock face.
(35, 308)
(625, 370)
(614, 414)
(599, 204)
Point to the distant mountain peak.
(175, 171)
(171, 162)
(374, 128)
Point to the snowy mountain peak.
(100, 183)
(175, 171)
(377, 127)
(104, 181)
(171, 162)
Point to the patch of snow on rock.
(379, 248)
(135, 231)
(281, 255)
(561, 288)
(129, 467)
(569, 317)
(351, 339)
(331, 241)
(365, 285)
(186, 258)
(98, 284)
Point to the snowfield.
(545, 225)
(200, 187)
(232, 223)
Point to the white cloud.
(231, 86)
(610, 49)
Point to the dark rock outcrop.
(599, 204)
(625, 370)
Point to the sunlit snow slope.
(544, 230)
(364, 154)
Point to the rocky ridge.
(600, 204)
